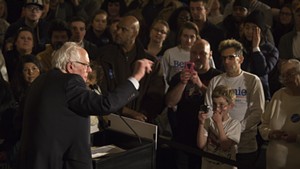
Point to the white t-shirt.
(248, 108)
(173, 61)
(282, 113)
(232, 130)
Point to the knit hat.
(39, 3)
(242, 3)
(256, 17)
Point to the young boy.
(219, 134)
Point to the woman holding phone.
(174, 58)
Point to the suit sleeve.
(86, 102)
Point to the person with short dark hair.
(59, 33)
(260, 56)
(232, 23)
(98, 32)
(207, 30)
(78, 31)
(27, 71)
(178, 17)
(250, 100)
(114, 8)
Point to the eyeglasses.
(288, 76)
(230, 57)
(84, 64)
(159, 31)
(220, 106)
(33, 8)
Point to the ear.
(135, 34)
(210, 54)
(241, 59)
(69, 67)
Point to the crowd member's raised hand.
(256, 37)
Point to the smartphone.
(204, 108)
(189, 66)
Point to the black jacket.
(118, 66)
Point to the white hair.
(294, 62)
(68, 52)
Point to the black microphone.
(128, 125)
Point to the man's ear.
(241, 59)
(69, 67)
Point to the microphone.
(128, 125)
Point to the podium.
(136, 139)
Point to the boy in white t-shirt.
(219, 134)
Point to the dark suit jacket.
(56, 119)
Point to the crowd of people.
(240, 58)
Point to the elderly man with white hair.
(56, 128)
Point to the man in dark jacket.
(117, 62)
(56, 128)
(78, 31)
(207, 30)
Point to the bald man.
(117, 61)
(187, 91)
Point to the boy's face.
(221, 106)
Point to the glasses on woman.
(288, 76)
